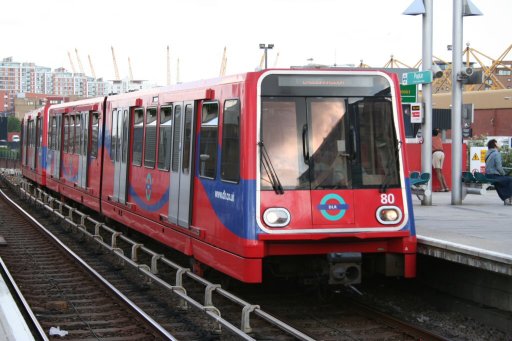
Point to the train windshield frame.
(328, 132)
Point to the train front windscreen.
(327, 132)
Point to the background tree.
(13, 124)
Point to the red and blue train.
(286, 172)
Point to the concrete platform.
(17, 321)
(477, 233)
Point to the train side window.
(150, 138)
(208, 140)
(176, 137)
(164, 143)
(39, 133)
(123, 145)
(86, 122)
(49, 133)
(31, 129)
(95, 127)
(79, 133)
(71, 134)
(52, 138)
(113, 137)
(230, 154)
(187, 139)
(32, 134)
(138, 134)
(66, 134)
(55, 137)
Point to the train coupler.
(344, 268)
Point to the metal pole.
(457, 103)
(426, 127)
(265, 57)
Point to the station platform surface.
(476, 233)
(14, 311)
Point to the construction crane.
(116, 70)
(277, 59)
(490, 81)
(223, 63)
(168, 66)
(130, 73)
(178, 71)
(395, 63)
(71, 62)
(92, 68)
(79, 62)
(362, 64)
(262, 61)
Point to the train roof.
(202, 84)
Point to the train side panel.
(34, 145)
(75, 153)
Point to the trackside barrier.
(419, 182)
(475, 183)
(99, 233)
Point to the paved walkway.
(480, 228)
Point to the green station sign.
(419, 77)
(409, 93)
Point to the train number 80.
(387, 199)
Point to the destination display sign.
(321, 81)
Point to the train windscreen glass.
(322, 133)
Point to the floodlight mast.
(266, 47)
(461, 8)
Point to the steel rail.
(156, 326)
(93, 229)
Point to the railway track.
(189, 307)
(61, 291)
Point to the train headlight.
(276, 217)
(389, 215)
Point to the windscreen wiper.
(390, 169)
(271, 172)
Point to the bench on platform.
(475, 183)
(419, 182)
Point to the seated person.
(494, 170)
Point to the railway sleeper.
(150, 272)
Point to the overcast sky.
(329, 31)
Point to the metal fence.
(10, 158)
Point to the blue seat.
(422, 179)
(483, 179)
(414, 175)
(468, 177)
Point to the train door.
(37, 150)
(120, 141)
(56, 144)
(181, 164)
(306, 148)
(28, 144)
(83, 150)
(331, 155)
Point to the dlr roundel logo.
(333, 207)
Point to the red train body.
(298, 172)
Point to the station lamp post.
(425, 8)
(266, 47)
(461, 8)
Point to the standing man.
(438, 159)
